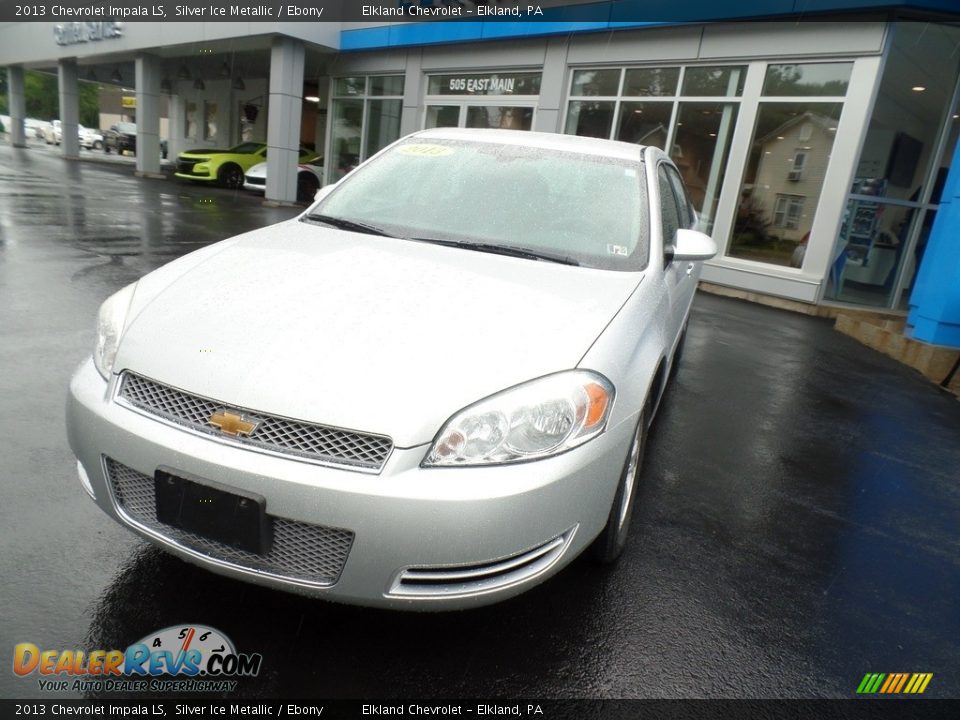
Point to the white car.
(430, 390)
(36, 128)
(309, 179)
(53, 133)
(90, 139)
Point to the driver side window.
(669, 215)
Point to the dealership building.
(819, 151)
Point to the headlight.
(110, 324)
(534, 420)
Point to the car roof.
(547, 141)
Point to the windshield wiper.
(510, 250)
(344, 224)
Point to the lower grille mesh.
(300, 551)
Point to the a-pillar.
(18, 105)
(283, 119)
(148, 115)
(69, 108)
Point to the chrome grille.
(300, 551)
(317, 442)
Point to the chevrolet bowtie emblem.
(231, 424)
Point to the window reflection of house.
(792, 164)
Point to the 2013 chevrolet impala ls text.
(430, 390)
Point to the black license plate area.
(213, 511)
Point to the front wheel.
(230, 176)
(610, 543)
(97, 145)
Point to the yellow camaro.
(224, 167)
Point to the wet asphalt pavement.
(797, 524)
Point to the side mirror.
(693, 245)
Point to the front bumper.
(439, 538)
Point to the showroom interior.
(818, 154)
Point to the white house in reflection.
(793, 161)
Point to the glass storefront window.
(345, 137)
(899, 177)
(590, 119)
(191, 123)
(807, 79)
(508, 118)
(350, 86)
(645, 123)
(383, 124)
(589, 83)
(442, 116)
(700, 149)
(792, 143)
(362, 124)
(714, 81)
(386, 85)
(210, 121)
(651, 81)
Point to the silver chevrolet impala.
(431, 390)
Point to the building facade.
(818, 153)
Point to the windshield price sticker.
(425, 150)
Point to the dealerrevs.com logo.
(180, 658)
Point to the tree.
(42, 94)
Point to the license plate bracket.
(212, 510)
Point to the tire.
(230, 176)
(610, 543)
(106, 150)
(97, 145)
(307, 186)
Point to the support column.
(18, 105)
(935, 300)
(148, 115)
(69, 108)
(283, 122)
(176, 130)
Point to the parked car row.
(244, 165)
(89, 139)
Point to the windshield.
(587, 208)
(127, 128)
(247, 148)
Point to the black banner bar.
(198, 707)
(94, 12)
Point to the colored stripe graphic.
(894, 683)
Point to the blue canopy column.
(935, 301)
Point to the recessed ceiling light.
(918, 88)
(312, 98)
(779, 137)
(713, 134)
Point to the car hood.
(362, 332)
